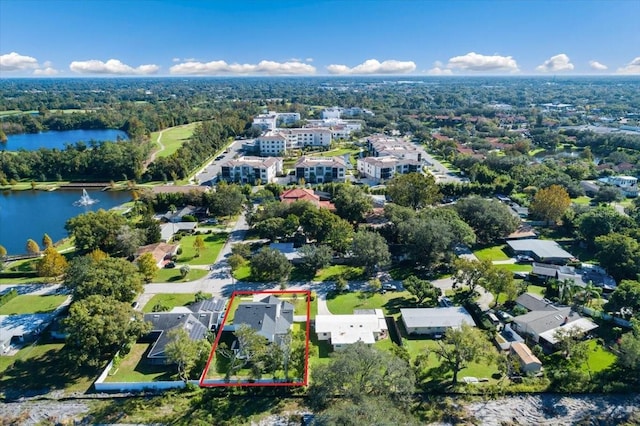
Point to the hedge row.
(8, 296)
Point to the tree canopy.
(109, 277)
(270, 265)
(415, 190)
(352, 203)
(98, 326)
(490, 219)
(550, 203)
(370, 250)
(96, 230)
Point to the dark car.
(170, 265)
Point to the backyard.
(41, 368)
(134, 368)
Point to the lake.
(55, 139)
(31, 214)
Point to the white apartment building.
(321, 169)
(270, 120)
(287, 117)
(272, 143)
(340, 129)
(250, 169)
(282, 140)
(338, 112)
(382, 145)
(384, 168)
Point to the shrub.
(11, 294)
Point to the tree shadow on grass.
(52, 370)
(394, 305)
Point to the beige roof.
(321, 161)
(158, 250)
(252, 161)
(524, 353)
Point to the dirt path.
(156, 152)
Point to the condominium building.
(340, 129)
(250, 169)
(386, 167)
(321, 169)
(382, 146)
(272, 119)
(281, 141)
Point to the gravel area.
(538, 410)
(550, 409)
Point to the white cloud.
(15, 62)
(175, 60)
(373, 66)
(222, 67)
(309, 60)
(556, 63)
(632, 67)
(436, 70)
(473, 61)
(45, 71)
(597, 66)
(112, 66)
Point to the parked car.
(389, 287)
(521, 275)
(521, 258)
(504, 316)
(170, 265)
(135, 305)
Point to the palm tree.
(589, 292)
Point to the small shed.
(529, 363)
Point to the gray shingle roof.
(270, 316)
(533, 302)
(543, 249)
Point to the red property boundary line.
(307, 293)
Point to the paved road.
(212, 169)
(441, 173)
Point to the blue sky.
(309, 37)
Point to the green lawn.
(29, 304)
(336, 152)
(390, 302)
(599, 358)
(332, 273)
(536, 289)
(34, 280)
(173, 138)
(171, 300)
(516, 267)
(133, 368)
(584, 200)
(42, 368)
(213, 245)
(492, 253)
(172, 275)
(243, 273)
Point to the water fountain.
(85, 200)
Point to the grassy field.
(492, 253)
(171, 300)
(390, 302)
(536, 289)
(337, 152)
(599, 358)
(172, 275)
(44, 367)
(213, 244)
(584, 200)
(28, 304)
(333, 272)
(173, 138)
(133, 368)
(516, 267)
